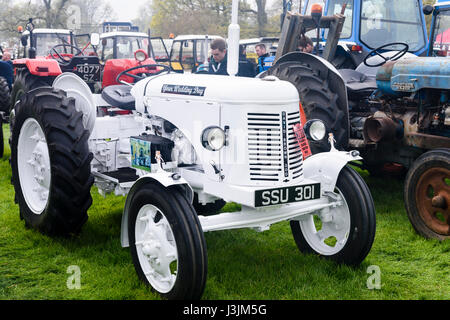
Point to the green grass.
(242, 264)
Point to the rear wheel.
(167, 244)
(50, 162)
(25, 82)
(427, 194)
(317, 100)
(346, 233)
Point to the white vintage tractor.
(189, 144)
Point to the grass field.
(242, 265)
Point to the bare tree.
(55, 16)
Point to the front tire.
(427, 194)
(50, 162)
(346, 236)
(167, 244)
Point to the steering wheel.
(377, 52)
(60, 58)
(142, 76)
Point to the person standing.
(7, 69)
(247, 68)
(261, 51)
(218, 65)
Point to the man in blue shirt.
(261, 51)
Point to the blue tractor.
(394, 108)
(400, 118)
(370, 24)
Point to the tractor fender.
(166, 181)
(326, 69)
(326, 167)
(40, 67)
(76, 88)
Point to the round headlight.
(213, 138)
(316, 130)
(140, 56)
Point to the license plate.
(90, 73)
(272, 197)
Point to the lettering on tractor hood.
(183, 90)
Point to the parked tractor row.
(179, 146)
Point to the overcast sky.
(127, 10)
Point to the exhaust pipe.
(378, 129)
(233, 41)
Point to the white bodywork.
(257, 114)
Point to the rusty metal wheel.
(427, 194)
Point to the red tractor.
(48, 53)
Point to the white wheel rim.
(156, 248)
(33, 161)
(332, 237)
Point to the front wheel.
(345, 233)
(167, 244)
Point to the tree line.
(258, 18)
(82, 16)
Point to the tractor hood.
(412, 75)
(217, 89)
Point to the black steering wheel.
(141, 76)
(60, 58)
(376, 52)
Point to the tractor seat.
(119, 96)
(358, 82)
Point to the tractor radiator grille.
(273, 152)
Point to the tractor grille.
(273, 152)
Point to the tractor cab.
(440, 29)
(190, 52)
(121, 50)
(370, 24)
(123, 45)
(43, 40)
